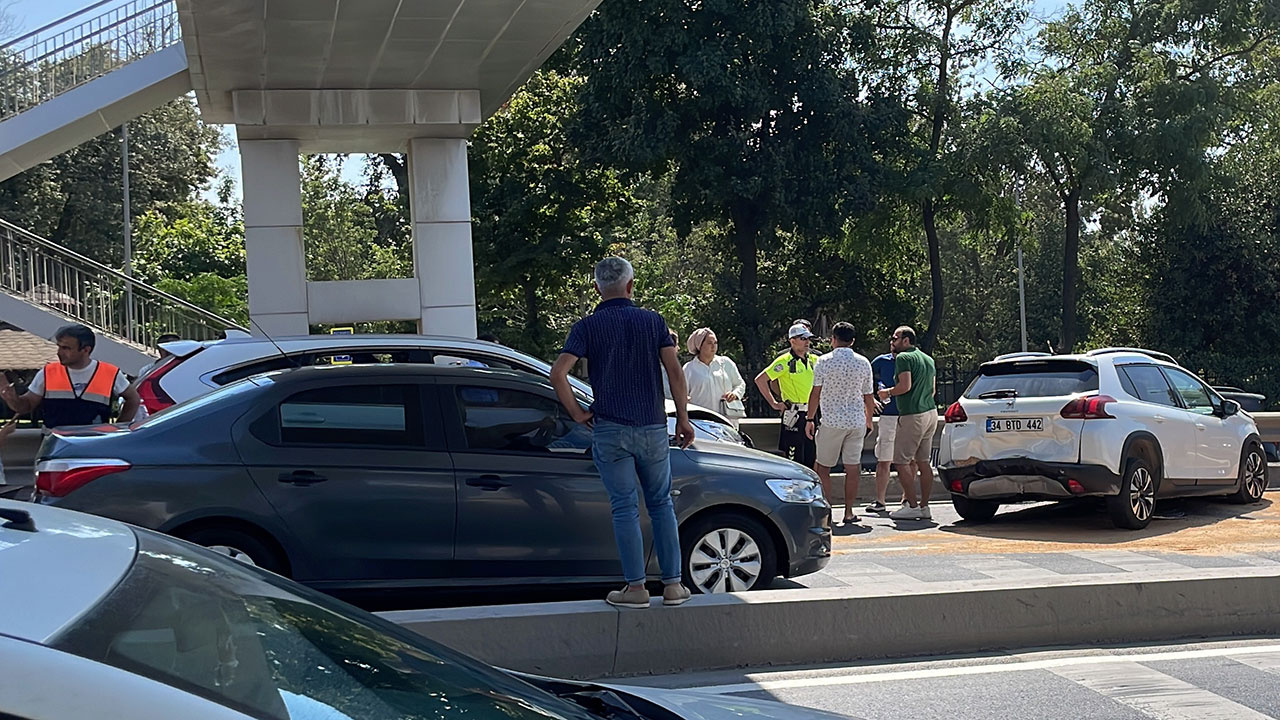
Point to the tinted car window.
(261, 645)
(354, 356)
(1146, 383)
(1195, 396)
(497, 419)
(353, 415)
(1046, 378)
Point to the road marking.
(1155, 693)
(763, 683)
(1265, 663)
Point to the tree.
(541, 216)
(74, 199)
(930, 50)
(753, 108)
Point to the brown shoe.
(637, 599)
(675, 594)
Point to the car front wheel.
(727, 552)
(1133, 507)
(1253, 475)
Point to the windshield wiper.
(999, 394)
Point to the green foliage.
(344, 228)
(224, 296)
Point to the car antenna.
(274, 344)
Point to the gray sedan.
(368, 477)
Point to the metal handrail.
(45, 273)
(69, 52)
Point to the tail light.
(955, 414)
(1090, 407)
(957, 486)
(1074, 486)
(153, 396)
(60, 477)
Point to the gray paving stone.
(1066, 563)
(1201, 561)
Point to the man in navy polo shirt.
(627, 349)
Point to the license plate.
(998, 425)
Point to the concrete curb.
(589, 639)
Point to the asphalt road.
(1234, 679)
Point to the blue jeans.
(628, 457)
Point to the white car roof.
(58, 571)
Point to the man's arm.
(20, 404)
(902, 387)
(560, 381)
(762, 384)
(679, 395)
(815, 395)
(869, 401)
(131, 402)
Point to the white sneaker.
(924, 513)
(906, 512)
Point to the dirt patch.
(1184, 526)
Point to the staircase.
(87, 74)
(61, 85)
(44, 286)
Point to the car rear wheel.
(1133, 507)
(727, 552)
(1253, 475)
(239, 545)
(974, 510)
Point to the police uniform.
(794, 375)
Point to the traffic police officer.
(791, 374)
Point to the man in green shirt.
(915, 383)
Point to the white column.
(277, 265)
(440, 208)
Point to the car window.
(503, 420)
(352, 356)
(1147, 383)
(1195, 396)
(353, 415)
(1046, 378)
(463, 358)
(262, 645)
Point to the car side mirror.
(1229, 408)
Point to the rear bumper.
(1028, 479)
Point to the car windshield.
(1039, 378)
(267, 647)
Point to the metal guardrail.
(47, 274)
(80, 47)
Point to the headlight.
(794, 490)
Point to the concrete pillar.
(277, 264)
(440, 209)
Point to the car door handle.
(1158, 418)
(1199, 426)
(488, 482)
(301, 477)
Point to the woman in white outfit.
(714, 381)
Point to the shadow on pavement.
(850, 529)
(1087, 521)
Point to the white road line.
(761, 681)
(1156, 694)
(1265, 663)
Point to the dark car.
(368, 477)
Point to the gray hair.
(613, 273)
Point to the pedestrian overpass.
(293, 76)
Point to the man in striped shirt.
(628, 349)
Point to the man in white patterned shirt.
(845, 396)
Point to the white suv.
(1128, 425)
(197, 367)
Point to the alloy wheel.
(1255, 475)
(725, 560)
(233, 553)
(1142, 494)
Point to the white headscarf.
(696, 339)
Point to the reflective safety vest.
(62, 406)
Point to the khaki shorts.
(834, 443)
(915, 437)
(888, 430)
